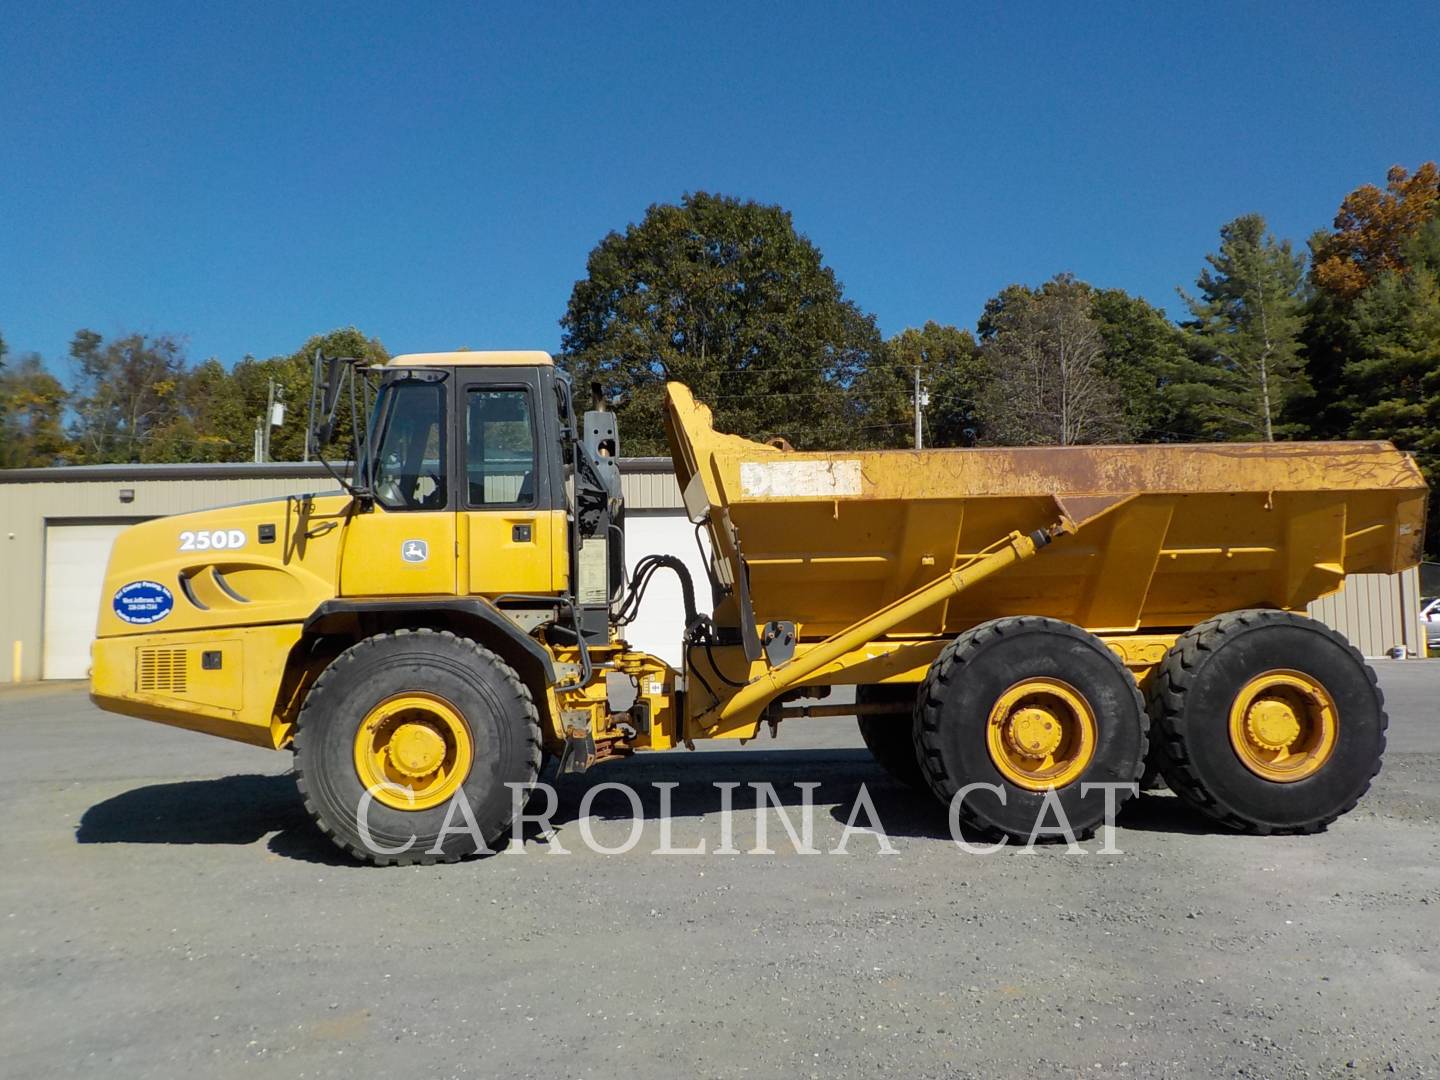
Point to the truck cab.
(466, 480)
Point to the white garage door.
(75, 558)
(661, 621)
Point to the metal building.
(57, 526)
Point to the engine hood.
(259, 562)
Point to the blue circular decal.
(143, 602)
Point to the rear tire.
(1205, 736)
(891, 739)
(481, 733)
(978, 713)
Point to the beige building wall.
(1376, 612)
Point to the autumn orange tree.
(1372, 335)
(1373, 230)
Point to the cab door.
(512, 521)
(406, 544)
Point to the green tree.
(287, 443)
(1395, 327)
(137, 400)
(952, 375)
(1155, 376)
(725, 296)
(1320, 407)
(1246, 331)
(124, 392)
(235, 405)
(1393, 371)
(32, 412)
(208, 421)
(1046, 362)
(1143, 357)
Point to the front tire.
(1268, 721)
(416, 719)
(1028, 705)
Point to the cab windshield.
(407, 466)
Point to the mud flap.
(579, 752)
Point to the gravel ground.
(167, 909)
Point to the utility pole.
(268, 420)
(273, 418)
(922, 399)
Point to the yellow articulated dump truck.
(1022, 625)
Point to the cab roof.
(474, 358)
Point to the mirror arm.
(322, 420)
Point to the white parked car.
(1430, 620)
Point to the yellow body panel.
(496, 562)
(164, 677)
(404, 553)
(881, 557)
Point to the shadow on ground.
(244, 809)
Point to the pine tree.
(1246, 330)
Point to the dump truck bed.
(1178, 533)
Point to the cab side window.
(499, 448)
(409, 469)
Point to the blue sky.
(436, 173)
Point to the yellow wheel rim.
(413, 751)
(1283, 725)
(1041, 734)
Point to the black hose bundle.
(644, 570)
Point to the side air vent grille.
(161, 671)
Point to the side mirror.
(327, 385)
(567, 421)
(326, 375)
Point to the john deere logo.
(414, 551)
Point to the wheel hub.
(413, 750)
(1284, 725)
(1041, 734)
(1272, 724)
(416, 749)
(1034, 731)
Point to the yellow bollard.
(15, 662)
